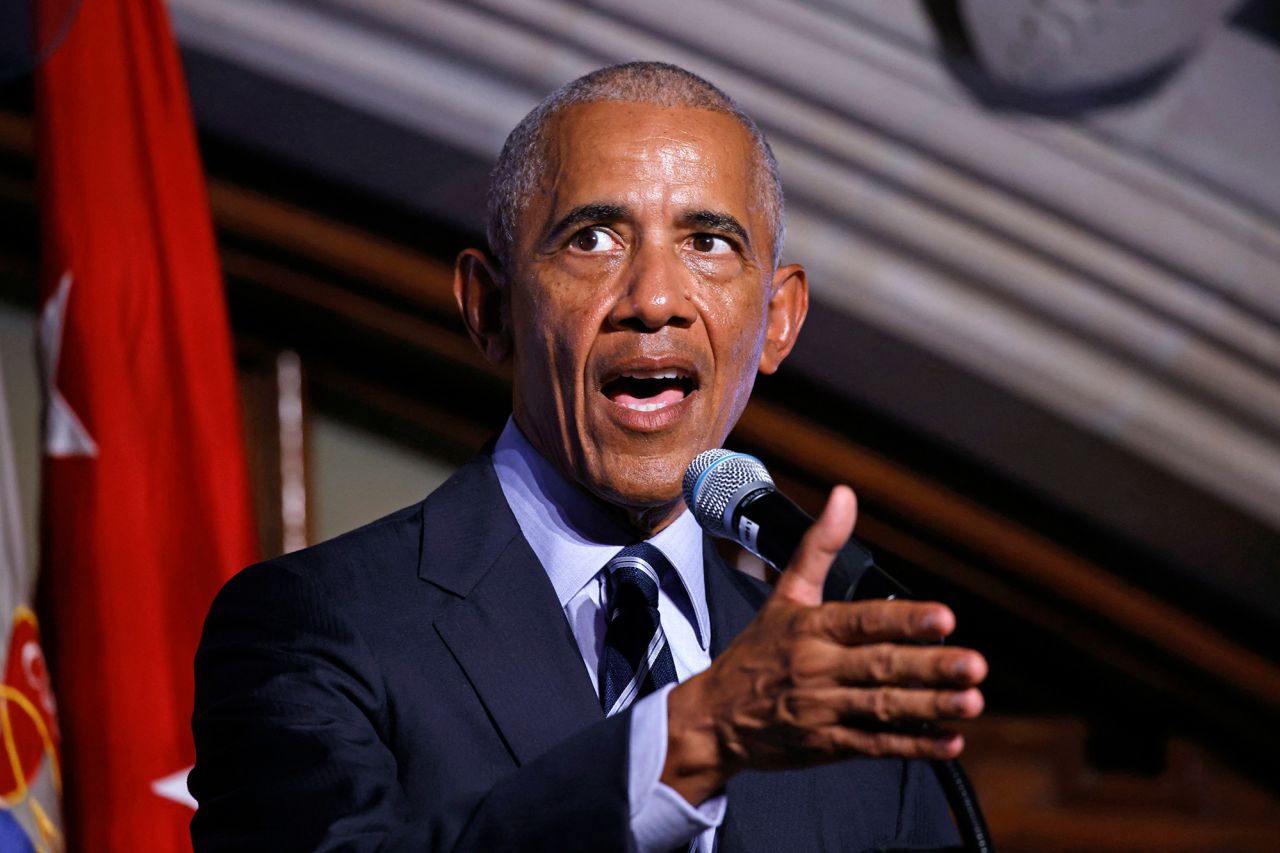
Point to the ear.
(788, 305)
(480, 292)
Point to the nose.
(657, 293)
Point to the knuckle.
(868, 620)
(883, 663)
(810, 621)
(882, 705)
(802, 710)
(785, 710)
(880, 744)
(808, 662)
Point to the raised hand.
(809, 682)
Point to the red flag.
(146, 504)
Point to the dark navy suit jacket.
(414, 685)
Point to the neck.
(651, 520)
(644, 520)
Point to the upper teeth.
(657, 374)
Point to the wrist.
(695, 767)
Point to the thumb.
(802, 581)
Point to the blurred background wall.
(1044, 237)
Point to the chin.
(640, 484)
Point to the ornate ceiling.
(1081, 297)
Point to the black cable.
(855, 575)
(964, 805)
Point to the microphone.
(733, 497)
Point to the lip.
(654, 420)
(649, 364)
(657, 420)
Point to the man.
(463, 674)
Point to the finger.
(896, 664)
(888, 705)
(858, 622)
(803, 580)
(854, 741)
(875, 707)
(903, 710)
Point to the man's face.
(643, 300)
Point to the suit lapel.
(507, 631)
(732, 598)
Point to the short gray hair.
(522, 161)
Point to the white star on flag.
(65, 435)
(174, 787)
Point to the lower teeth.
(646, 407)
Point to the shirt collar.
(573, 536)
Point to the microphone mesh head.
(712, 480)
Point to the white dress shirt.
(573, 537)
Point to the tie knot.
(633, 576)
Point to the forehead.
(644, 153)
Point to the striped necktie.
(636, 659)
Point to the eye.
(594, 239)
(710, 244)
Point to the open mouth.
(649, 390)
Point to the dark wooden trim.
(382, 264)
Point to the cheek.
(736, 324)
(556, 328)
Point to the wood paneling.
(424, 280)
(1041, 796)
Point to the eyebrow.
(584, 214)
(713, 220)
(593, 212)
